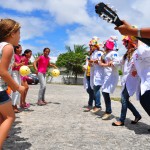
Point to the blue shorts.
(4, 97)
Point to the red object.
(8, 90)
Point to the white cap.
(95, 38)
(114, 38)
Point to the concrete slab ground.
(62, 124)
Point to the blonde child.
(9, 36)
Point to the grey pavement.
(63, 125)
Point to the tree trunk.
(76, 78)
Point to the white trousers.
(16, 95)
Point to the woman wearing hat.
(110, 63)
(96, 73)
(130, 81)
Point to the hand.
(21, 89)
(110, 64)
(36, 72)
(96, 61)
(91, 61)
(22, 63)
(90, 64)
(125, 28)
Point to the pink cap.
(109, 44)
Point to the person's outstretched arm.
(35, 65)
(52, 65)
(127, 29)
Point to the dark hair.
(46, 49)
(16, 47)
(26, 52)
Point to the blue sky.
(56, 23)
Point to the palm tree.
(77, 59)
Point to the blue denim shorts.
(4, 97)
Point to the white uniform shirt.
(84, 79)
(130, 77)
(142, 63)
(111, 73)
(3, 84)
(96, 70)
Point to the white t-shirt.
(3, 84)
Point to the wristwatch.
(139, 33)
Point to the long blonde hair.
(129, 54)
(7, 27)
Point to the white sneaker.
(106, 116)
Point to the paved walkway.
(62, 124)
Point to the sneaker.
(88, 109)
(95, 110)
(106, 116)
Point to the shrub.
(120, 72)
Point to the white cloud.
(131, 11)
(23, 5)
(144, 11)
(64, 13)
(31, 27)
(34, 49)
(53, 59)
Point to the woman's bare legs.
(23, 96)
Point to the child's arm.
(35, 65)
(19, 64)
(4, 64)
(31, 65)
(101, 63)
(52, 65)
